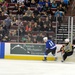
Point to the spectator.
(19, 12)
(58, 13)
(50, 28)
(34, 40)
(5, 38)
(50, 18)
(8, 22)
(41, 3)
(2, 32)
(21, 32)
(13, 33)
(11, 15)
(29, 40)
(29, 12)
(36, 28)
(5, 5)
(54, 4)
(36, 12)
(13, 22)
(27, 3)
(23, 7)
(25, 17)
(45, 28)
(43, 14)
(46, 21)
(47, 2)
(3, 16)
(39, 38)
(40, 23)
(6, 11)
(4, 27)
(60, 19)
(33, 3)
(16, 7)
(39, 7)
(33, 18)
(28, 27)
(66, 2)
(46, 8)
(61, 9)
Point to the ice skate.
(55, 59)
(45, 59)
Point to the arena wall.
(26, 51)
(9, 55)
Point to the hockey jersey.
(50, 44)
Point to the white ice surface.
(24, 67)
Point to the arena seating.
(14, 33)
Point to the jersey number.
(51, 43)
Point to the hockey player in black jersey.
(66, 50)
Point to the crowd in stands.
(30, 20)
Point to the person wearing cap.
(66, 50)
(50, 47)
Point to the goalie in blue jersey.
(50, 47)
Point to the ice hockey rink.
(27, 67)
